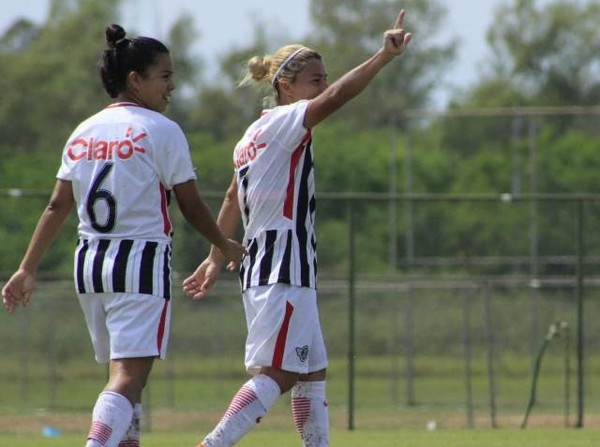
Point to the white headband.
(285, 62)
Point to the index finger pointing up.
(399, 20)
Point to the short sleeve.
(287, 124)
(65, 171)
(174, 161)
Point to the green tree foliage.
(18, 37)
(221, 108)
(542, 55)
(50, 81)
(548, 50)
(188, 70)
(347, 32)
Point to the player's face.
(155, 87)
(310, 82)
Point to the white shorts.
(283, 329)
(127, 325)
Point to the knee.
(316, 376)
(285, 379)
(127, 385)
(128, 378)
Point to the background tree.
(549, 51)
(543, 54)
(189, 70)
(346, 32)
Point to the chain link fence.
(449, 341)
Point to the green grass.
(359, 438)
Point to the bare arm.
(229, 215)
(354, 82)
(198, 214)
(20, 286)
(199, 283)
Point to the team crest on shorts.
(302, 353)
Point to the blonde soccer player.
(272, 192)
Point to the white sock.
(311, 414)
(110, 419)
(132, 436)
(246, 409)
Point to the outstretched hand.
(395, 40)
(18, 290)
(199, 283)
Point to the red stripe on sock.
(244, 397)
(301, 411)
(130, 443)
(100, 432)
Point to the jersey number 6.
(96, 194)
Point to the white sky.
(223, 24)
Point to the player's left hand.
(395, 40)
(18, 290)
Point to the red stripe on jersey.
(282, 336)
(288, 206)
(161, 326)
(164, 209)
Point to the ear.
(133, 81)
(286, 91)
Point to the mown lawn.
(358, 438)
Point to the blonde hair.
(266, 71)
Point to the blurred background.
(458, 204)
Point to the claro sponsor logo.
(98, 149)
(248, 152)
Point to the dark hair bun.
(114, 33)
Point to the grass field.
(359, 438)
(48, 377)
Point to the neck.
(127, 97)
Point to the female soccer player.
(272, 191)
(118, 168)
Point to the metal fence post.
(580, 317)
(466, 335)
(351, 313)
(490, 352)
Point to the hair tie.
(285, 62)
(121, 41)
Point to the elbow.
(230, 195)
(59, 208)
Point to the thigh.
(283, 326)
(138, 325)
(95, 316)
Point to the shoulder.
(298, 107)
(158, 120)
(289, 115)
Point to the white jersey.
(276, 194)
(122, 163)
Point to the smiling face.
(309, 83)
(153, 88)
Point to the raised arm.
(354, 82)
